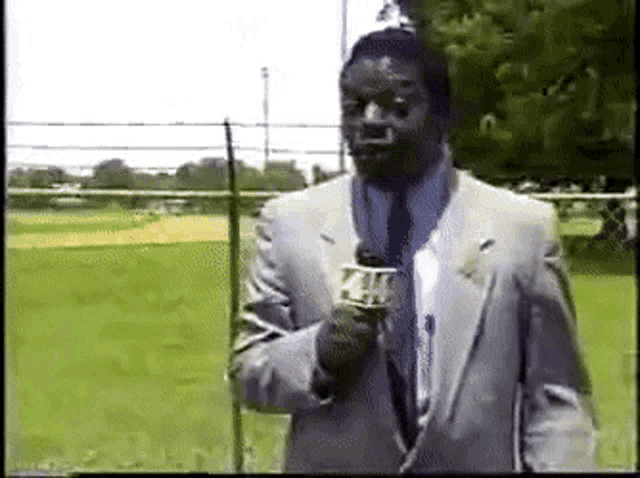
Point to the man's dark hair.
(404, 45)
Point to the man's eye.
(353, 106)
(401, 106)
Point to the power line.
(176, 123)
(19, 164)
(302, 151)
(162, 148)
(112, 148)
(71, 123)
(137, 192)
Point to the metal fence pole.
(343, 57)
(234, 250)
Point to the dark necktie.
(398, 228)
(402, 362)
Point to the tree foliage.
(18, 178)
(556, 78)
(212, 173)
(113, 174)
(207, 174)
(283, 176)
(37, 178)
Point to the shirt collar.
(426, 195)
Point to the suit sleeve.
(558, 421)
(273, 365)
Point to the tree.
(209, 173)
(186, 175)
(113, 174)
(165, 181)
(556, 76)
(212, 173)
(144, 181)
(18, 178)
(250, 179)
(283, 176)
(46, 178)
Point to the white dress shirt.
(424, 201)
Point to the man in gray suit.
(477, 367)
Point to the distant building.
(320, 175)
(67, 201)
(67, 186)
(528, 186)
(167, 206)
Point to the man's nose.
(373, 112)
(374, 128)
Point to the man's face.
(386, 120)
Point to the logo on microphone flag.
(367, 287)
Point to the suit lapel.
(338, 236)
(464, 288)
(463, 238)
(339, 239)
(463, 327)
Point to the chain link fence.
(601, 224)
(598, 219)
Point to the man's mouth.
(372, 155)
(375, 136)
(372, 143)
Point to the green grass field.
(116, 359)
(75, 221)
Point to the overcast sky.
(171, 60)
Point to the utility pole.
(343, 58)
(265, 106)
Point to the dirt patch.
(173, 229)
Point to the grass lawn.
(585, 226)
(116, 358)
(36, 226)
(580, 226)
(75, 221)
(606, 310)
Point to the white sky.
(175, 60)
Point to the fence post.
(234, 249)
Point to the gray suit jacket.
(510, 389)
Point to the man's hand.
(344, 338)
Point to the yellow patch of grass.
(172, 229)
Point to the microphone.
(368, 284)
(365, 257)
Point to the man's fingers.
(353, 329)
(345, 337)
(362, 329)
(360, 315)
